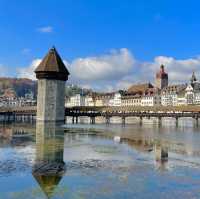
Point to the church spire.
(193, 78)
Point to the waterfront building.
(98, 101)
(197, 98)
(116, 100)
(52, 75)
(189, 94)
(76, 100)
(169, 95)
(151, 98)
(103, 99)
(136, 95)
(94, 99)
(131, 100)
(89, 100)
(16, 102)
(181, 101)
(181, 95)
(161, 78)
(181, 98)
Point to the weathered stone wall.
(51, 99)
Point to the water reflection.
(102, 162)
(49, 166)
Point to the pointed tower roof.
(48, 183)
(193, 79)
(52, 67)
(162, 73)
(48, 175)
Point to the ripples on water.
(99, 161)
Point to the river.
(83, 161)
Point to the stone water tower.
(52, 75)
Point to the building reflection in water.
(160, 150)
(49, 166)
(161, 156)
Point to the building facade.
(169, 95)
(131, 100)
(151, 97)
(76, 100)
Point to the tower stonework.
(52, 75)
(161, 78)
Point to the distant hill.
(19, 86)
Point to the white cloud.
(3, 70)
(28, 72)
(45, 29)
(179, 70)
(110, 66)
(123, 84)
(119, 69)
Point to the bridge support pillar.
(197, 121)
(160, 121)
(19, 118)
(107, 120)
(23, 118)
(8, 118)
(176, 121)
(141, 120)
(32, 118)
(73, 120)
(92, 120)
(123, 121)
(77, 120)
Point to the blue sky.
(136, 35)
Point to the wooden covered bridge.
(22, 114)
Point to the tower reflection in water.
(49, 166)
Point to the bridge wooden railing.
(116, 109)
(155, 109)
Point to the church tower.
(161, 78)
(193, 79)
(52, 75)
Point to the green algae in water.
(105, 149)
